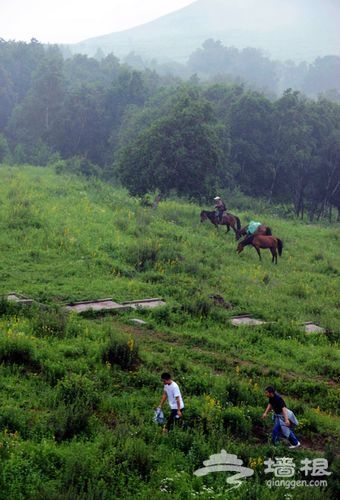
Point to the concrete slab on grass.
(144, 303)
(311, 327)
(20, 299)
(137, 321)
(245, 319)
(110, 305)
(96, 305)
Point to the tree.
(323, 75)
(325, 189)
(181, 151)
(7, 97)
(36, 119)
(84, 130)
(251, 127)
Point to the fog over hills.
(300, 30)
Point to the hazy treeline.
(214, 62)
(152, 132)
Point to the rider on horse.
(220, 208)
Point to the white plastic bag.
(158, 417)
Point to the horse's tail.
(279, 246)
(268, 231)
(238, 222)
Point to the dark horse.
(262, 229)
(258, 241)
(229, 220)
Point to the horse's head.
(240, 247)
(203, 215)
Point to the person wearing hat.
(220, 208)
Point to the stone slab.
(144, 303)
(245, 319)
(21, 299)
(96, 305)
(311, 327)
(137, 321)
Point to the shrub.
(237, 421)
(136, 458)
(9, 308)
(17, 350)
(143, 255)
(78, 389)
(122, 351)
(13, 420)
(51, 322)
(198, 306)
(70, 420)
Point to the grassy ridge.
(78, 394)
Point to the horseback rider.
(220, 208)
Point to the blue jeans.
(281, 429)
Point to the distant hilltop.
(299, 30)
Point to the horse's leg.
(274, 255)
(258, 252)
(228, 228)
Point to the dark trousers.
(172, 419)
(220, 215)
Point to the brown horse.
(262, 229)
(258, 241)
(229, 220)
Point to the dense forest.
(153, 131)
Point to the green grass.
(78, 394)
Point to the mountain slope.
(283, 29)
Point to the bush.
(79, 389)
(237, 421)
(13, 420)
(8, 307)
(136, 458)
(143, 255)
(50, 322)
(122, 351)
(70, 420)
(17, 350)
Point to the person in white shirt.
(173, 394)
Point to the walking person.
(220, 208)
(284, 419)
(172, 393)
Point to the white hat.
(217, 198)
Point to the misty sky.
(70, 21)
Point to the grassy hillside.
(78, 394)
